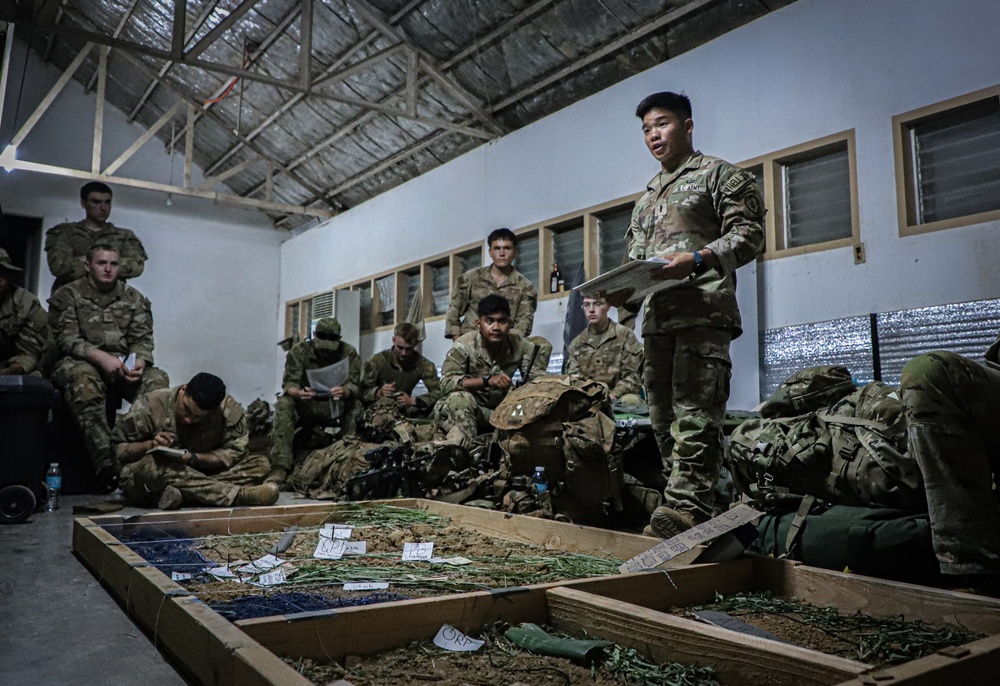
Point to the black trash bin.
(25, 403)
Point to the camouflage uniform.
(66, 247)
(469, 411)
(476, 284)
(384, 368)
(614, 357)
(222, 434)
(290, 413)
(25, 337)
(705, 203)
(953, 434)
(118, 322)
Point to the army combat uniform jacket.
(614, 357)
(25, 337)
(468, 357)
(384, 368)
(305, 356)
(66, 246)
(704, 203)
(476, 284)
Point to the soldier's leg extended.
(145, 482)
(953, 433)
(459, 415)
(84, 391)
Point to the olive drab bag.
(812, 388)
(850, 453)
(563, 424)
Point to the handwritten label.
(366, 586)
(261, 564)
(336, 531)
(330, 548)
(454, 561)
(450, 638)
(686, 540)
(180, 576)
(417, 552)
(271, 578)
(222, 572)
(356, 548)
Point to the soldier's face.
(104, 267)
(502, 253)
(668, 137)
(97, 206)
(596, 311)
(403, 351)
(188, 412)
(494, 327)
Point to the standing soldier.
(208, 465)
(301, 406)
(66, 245)
(99, 323)
(25, 337)
(702, 216)
(606, 351)
(394, 373)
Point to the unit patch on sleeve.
(738, 182)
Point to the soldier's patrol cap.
(328, 328)
(5, 263)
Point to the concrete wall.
(212, 273)
(811, 69)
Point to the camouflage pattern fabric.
(66, 247)
(118, 322)
(25, 337)
(315, 354)
(687, 382)
(705, 203)
(614, 357)
(259, 418)
(384, 368)
(954, 435)
(476, 284)
(142, 482)
(461, 412)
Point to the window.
(470, 259)
(365, 290)
(386, 295)
(527, 256)
(567, 252)
(948, 163)
(611, 243)
(322, 306)
(440, 288)
(411, 282)
(292, 322)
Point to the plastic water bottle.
(540, 480)
(53, 480)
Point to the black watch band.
(486, 379)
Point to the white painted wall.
(212, 273)
(811, 69)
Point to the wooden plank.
(974, 663)
(253, 666)
(737, 658)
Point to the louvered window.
(440, 288)
(322, 306)
(567, 251)
(956, 160)
(473, 259)
(527, 257)
(386, 299)
(817, 198)
(611, 228)
(365, 291)
(412, 286)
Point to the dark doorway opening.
(21, 237)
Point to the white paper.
(417, 552)
(638, 275)
(366, 586)
(128, 360)
(271, 578)
(323, 379)
(330, 548)
(180, 576)
(686, 540)
(356, 548)
(261, 564)
(454, 561)
(336, 531)
(222, 572)
(450, 638)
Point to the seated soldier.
(606, 351)
(25, 337)
(66, 244)
(395, 372)
(209, 464)
(478, 370)
(953, 435)
(99, 323)
(303, 407)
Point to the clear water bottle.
(539, 479)
(53, 480)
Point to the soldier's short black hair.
(206, 390)
(99, 247)
(501, 235)
(94, 187)
(678, 103)
(493, 304)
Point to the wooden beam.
(118, 31)
(210, 181)
(972, 664)
(50, 97)
(358, 66)
(189, 145)
(143, 139)
(234, 16)
(412, 73)
(178, 38)
(305, 44)
(102, 80)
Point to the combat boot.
(170, 499)
(265, 494)
(666, 522)
(278, 477)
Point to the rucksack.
(810, 389)
(563, 424)
(852, 453)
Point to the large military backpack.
(851, 453)
(564, 425)
(812, 388)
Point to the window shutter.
(817, 199)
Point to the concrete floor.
(57, 624)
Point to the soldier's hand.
(619, 297)
(135, 374)
(13, 368)
(337, 393)
(164, 439)
(403, 401)
(301, 393)
(500, 381)
(678, 265)
(107, 363)
(386, 390)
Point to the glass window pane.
(567, 250)
(440, 288)
(817, 199)
(472, 259)
(611, 228)
(527, 257)
(365, 292)
(387, 299)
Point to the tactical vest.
(563, 424)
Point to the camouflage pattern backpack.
(851, 453)
(563, 424)
(812, 388)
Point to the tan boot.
(666, 522)
(278, 476)
(265, 494)
(170, 499)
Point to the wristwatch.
(700, 266)
(486, 380)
